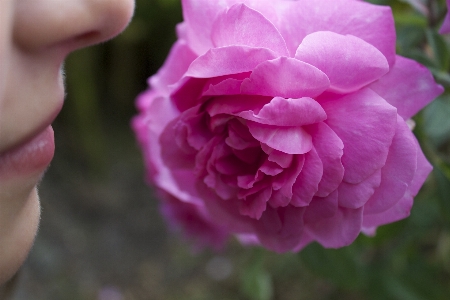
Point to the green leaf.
(418, 5)
(256, 282)
(436, 120)
(442, 173)
(440, 49)
(341, 266)
(420, 57)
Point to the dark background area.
(101, 234)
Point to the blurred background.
(102, 237)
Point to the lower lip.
(30, 158)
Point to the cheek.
(17, 233)
(5, 39)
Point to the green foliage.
(256, 282)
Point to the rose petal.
(239, 136)
(197, 133)
(397, 212)
(423, 170)
(291, 140)
(372, 23)
(285, 77)
(173, 156)
(176, 64)
(243, 26)
(280, 229)
(233, 105)
(329, 148)
(229, 86)
(366, 124)
(408, 86)
(287, 112)
(254, 205)
(305, 240)
(445, 28)
(349, 62)
(270, 168)
(307, 182)
(199, 18)
(194, 221)
(321, 208)
(338, 231)
(283, 184)
(224, 212)
(187, 92)
(248, 155)
(248, 181)
(402, 208)
(356, 195)
(224, 85)
(228, 60)
(230, 165)
(281, 158)
(397, 173)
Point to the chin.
(17, 237)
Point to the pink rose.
(283, 122)
(445, 28)
(194, 220)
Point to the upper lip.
(38, 129)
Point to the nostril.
(69, 25)
(88, 37)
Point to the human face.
(35, 38)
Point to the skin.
(35, 38)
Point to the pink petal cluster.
(283, 122)
(445, 28)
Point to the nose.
(68, 24)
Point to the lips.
(29, 158)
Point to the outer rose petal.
(349, 62)
(225, 212)
(286, 77)
(308, 180)
(228, 60)
(321, 208)
(402, 208)
(280, 229)
(148, 127)
(366, 124)
(330, 149)
(244, 26)
(199, 16)
(446, 25)
(336, 231)
(399, 211)
(423, 170)
(409, 86)
(176, 64)
(372, 23)
(174, 156)
(194, 221)
(356, 195)
(397, 173)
